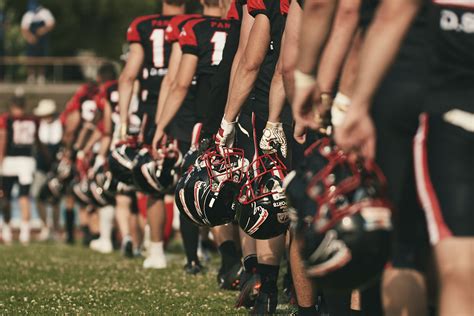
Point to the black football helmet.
(161, 175)
(99, 187)
(207, 192)
(198, 147)
(121, 161)
(57, 179)
(262, 211)
(81, 192)
(339, 210)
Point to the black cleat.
(230, 280)
(265, 304)
(127, 249)
(250, 284)
(193, 268)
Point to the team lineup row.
(320, 131)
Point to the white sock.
(24, 226)
(156, 248)
(106, 218)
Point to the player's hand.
(81, 165)
(157, 141)
(226, 135)
(357, 133)
(123, 131)
(98, 162)
(306, 91)
(273, 139)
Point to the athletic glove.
(226, 135)
(339, 108)
(273, 139)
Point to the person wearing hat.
(50, 134)
(18, 137)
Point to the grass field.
(57, 279)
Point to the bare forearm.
(173, 103)
(351, 66)
(315, 27)
(277, 94)
(105, 142)
(125, 92)
(3, 143)
(164, 89)
(380, 48)
(338, 45)
(42, 31)
(91, 140)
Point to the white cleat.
(102, 246)
(45, 234)
(25, 233)
(155, 262)
(7, 234)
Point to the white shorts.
(21, 167)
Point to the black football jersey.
(22, 133)
(451, 27)
(149, 32)
(205, 38)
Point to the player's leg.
(70, 218)
(41, 204)
(122, 215)
(7, 186)
(26, 169)
(106, 220)
(229, 272)
(443, 159)
(156, 219)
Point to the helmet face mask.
(262, 210)
(340, 211)
(121, 161)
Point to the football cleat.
(262, 211)
(249, 290)
(339, 208)
(193, 268)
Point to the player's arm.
(338, 45)
(383, 40)
(3, 140)
(126, 82)
(50, 22)
(25, 29)
(245, 28)
(290, 44)
(179, 90)
(249, 67)
(170, 77)
(106, 139)
(315, 28)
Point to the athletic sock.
(268, 276)
(86, 235)
(106, 218)
(190, 235)
(69, 221)
(250, 263)
(229, 255)
(156, 248)
(307, 311)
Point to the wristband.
(303, 80)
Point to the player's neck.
(212, 11)
(172, 10)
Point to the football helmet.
(157, 176)
(121, 161)
(339, 210)
(207, 192)
(55, 185)
(81, 192)
(262, 211)
(198, 147)
(99, 190)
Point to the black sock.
(269, 276)
(250, 263)
(338, 303)
(307, 311)
(190, 235)
(228, 254)
(69, 218)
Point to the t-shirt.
(33, 20)
(22, 133)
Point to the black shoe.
(249, 289)
(230, 280)
(127, 249)
(193, 268)
(265, 304)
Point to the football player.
(18, 136)
(148, 61)
(202, 43)
(448, 102)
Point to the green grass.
(57, 279)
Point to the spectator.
(36, 25)
(50, 134)
(18, 135)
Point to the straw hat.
(46, 107)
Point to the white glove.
(339, 108)
(99, 162)
(274, 138)
(226, 135)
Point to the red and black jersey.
(205, 38)
(108, 96)
(176, 25)
(452, 75)
(22, 133)
(149, 32)
(235, 10)
(84, 101)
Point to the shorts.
(21, 167)
(7, 184)
(395, 113)
(146, 113)
(444, 163)
(249, 131)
